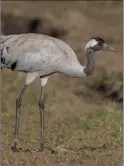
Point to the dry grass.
(82, 124)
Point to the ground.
(83, 116)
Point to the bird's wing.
(31, 52)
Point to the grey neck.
(90, 54)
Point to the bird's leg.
(30, 77)
(18, 105)
(41, 107)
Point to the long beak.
(107, 47)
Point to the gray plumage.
(39, 53)
(40, 56)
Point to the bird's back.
(36, 52)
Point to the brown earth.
(83, 117)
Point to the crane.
(40, 56)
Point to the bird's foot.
(41, 149)
(38, 150)
(14, 147)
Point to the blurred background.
(83, 117)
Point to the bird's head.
(97, 44)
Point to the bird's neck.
(90, 54)
(77, 70)
(82, 71)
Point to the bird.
(40, 56)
